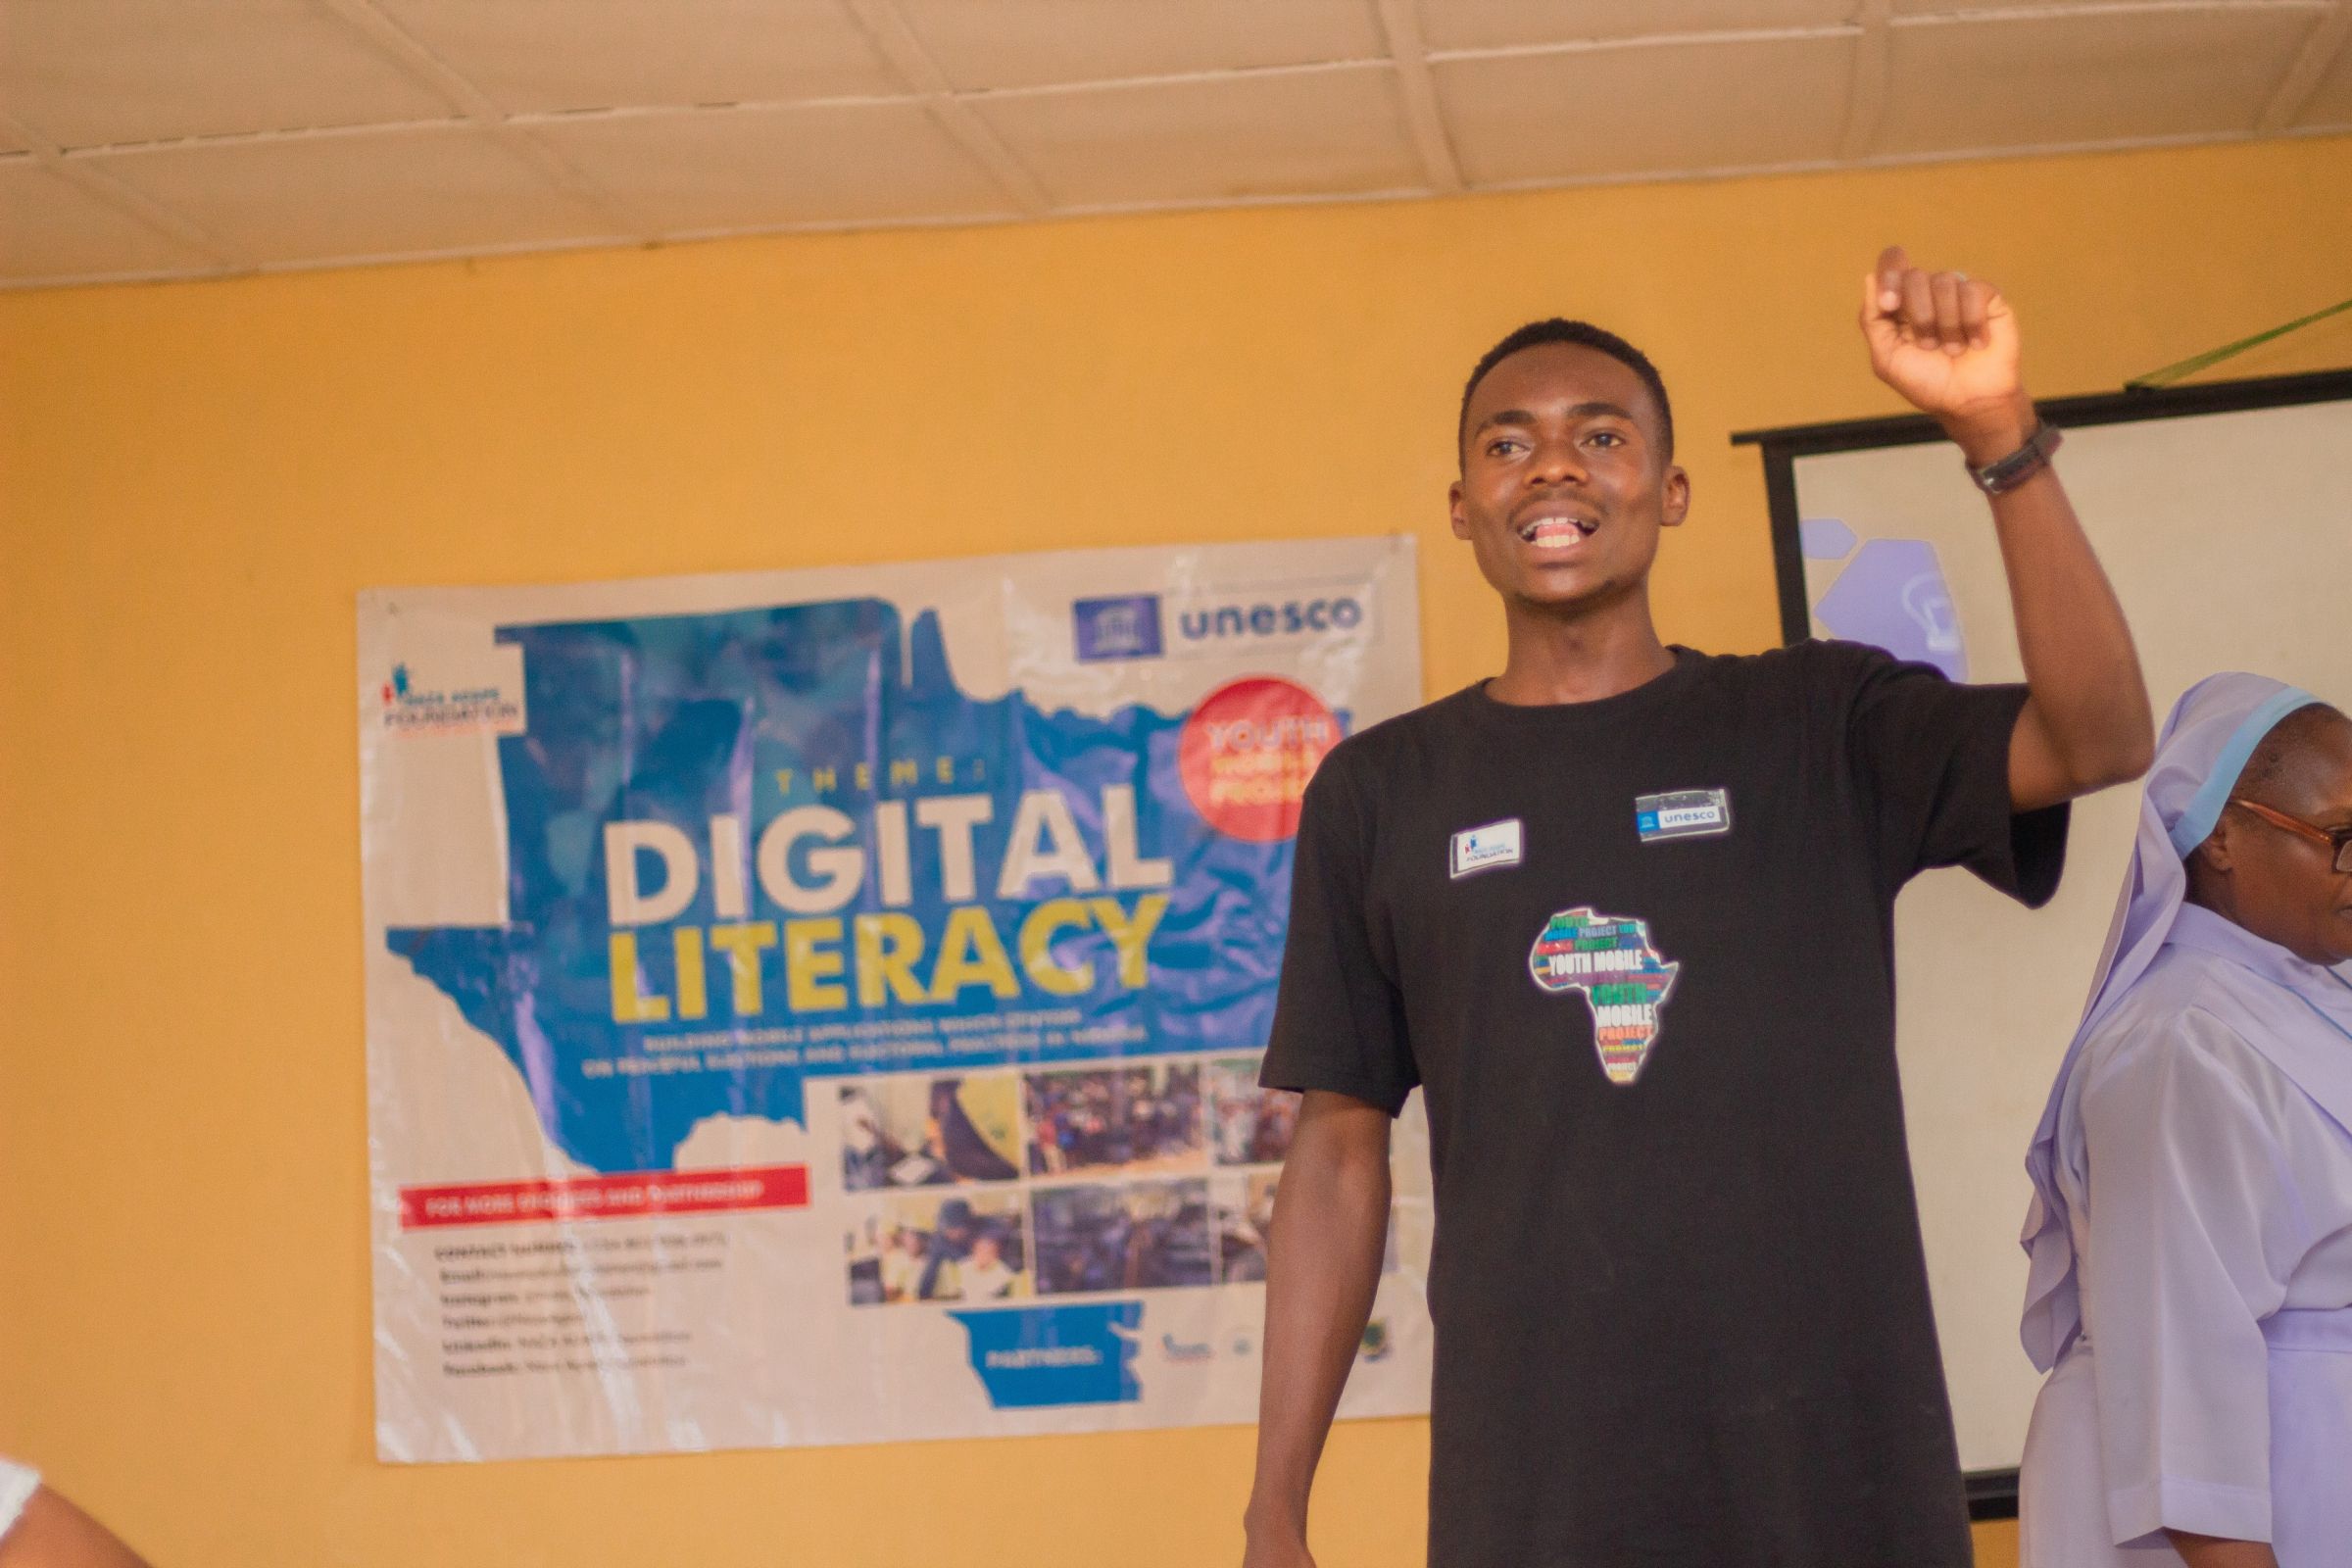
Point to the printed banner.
(826, 1006)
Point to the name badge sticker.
(1682, 814)
(1482, 849)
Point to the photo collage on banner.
(826, 1006)
(1151, 1175)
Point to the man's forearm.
(1330, 1220)
(2088, 706)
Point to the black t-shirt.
(1640, 955)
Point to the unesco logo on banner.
(1117, 628)
(1242, 622)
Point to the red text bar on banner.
(626, 1196)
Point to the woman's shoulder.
(2177, 1012)
(2187, 1024)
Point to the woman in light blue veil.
(2191, 1289)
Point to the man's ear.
(1453, 510)
(1677, 497)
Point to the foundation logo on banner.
(413, 706)
(1624, 980)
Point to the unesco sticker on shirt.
(1682, 814)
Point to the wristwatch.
(2007, 473)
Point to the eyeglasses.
(2337, 839)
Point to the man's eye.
(1607, 438)
(1504, 446)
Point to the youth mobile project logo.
(1624, 980)
(1248, 752)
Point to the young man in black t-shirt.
(1625, 912)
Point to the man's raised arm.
(1949, 344)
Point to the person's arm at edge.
(2212, 1551)
(54, 1534)
(1331, 1217)
(1949, 344)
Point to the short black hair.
(1559, 329)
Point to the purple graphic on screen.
(1893, 597)
(1825, 539)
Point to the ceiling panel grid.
(153, 138)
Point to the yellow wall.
(197, 479)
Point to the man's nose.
(1559, 463)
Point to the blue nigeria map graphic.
(677, 720)
(1029, 1357)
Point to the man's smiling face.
(1565, 479)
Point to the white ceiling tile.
(1649, 108)
(2087, 77)
(1505, 23)
(1214, 138)
(86, 72)
(52, 228)
(535, 55)
(1026, 43)
(376, 193)
(2331, 102)
(725, 169)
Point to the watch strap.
(2007, 473)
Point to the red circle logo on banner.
(1247, 753)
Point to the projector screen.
(2223, 514)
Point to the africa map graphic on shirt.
(1623, 978)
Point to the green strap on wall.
(2212, 356)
